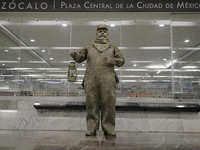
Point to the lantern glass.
(72, 72)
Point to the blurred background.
(161, 50)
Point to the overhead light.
(156, 66)
(169, 64)
(186, 41)
(19, 58)
(32, 40)
(164, 59)
(128, 81)
(154, 47)
(129, 76)
(81, 69)
(51, 58)
(158, 72)
(6, 50)
(43, 50)
(174, 52)
(180, 106)
(64, 25)
(9, 111)
(134, 65)
(76, 82)
(37, 104)
(161, 25)
(189, 67)
(3, 64)
(83, 65)
(112, 25)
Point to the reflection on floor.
(76, 140)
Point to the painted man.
(99, 81)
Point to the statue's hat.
(102, 26)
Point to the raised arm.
(80, 56)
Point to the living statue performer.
(100, 82)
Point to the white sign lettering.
(89, 5)
(188, 5)
(142, 5)
(70, 5)
(22, 6)
(100, 5)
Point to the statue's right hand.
(72, 53)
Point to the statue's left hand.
(72, 53)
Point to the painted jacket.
(99, 70)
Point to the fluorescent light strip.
(144, 22)
(169, 64)
(31, 62)
(189, 67)
(64, 62)
(83, 69)
(47, 23)
(191, 48)
(156, 48)
(125, 76)
(142, 61)
(9, 62)
(7, 75)
(50, 48)
(79, 48)
(77, 82)
(53, 75)
(8, 111)
(80, 81)
(184, 23)
(156, 66)
(4, 87)
(143, 81)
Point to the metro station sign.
(100, 6)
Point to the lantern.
(72, 72)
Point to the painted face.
(102, 34)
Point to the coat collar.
(101, 47)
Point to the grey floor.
(76, 140)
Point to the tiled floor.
(76, 140)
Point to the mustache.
(102, 36)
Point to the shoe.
(90, 132)
(110, 133)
